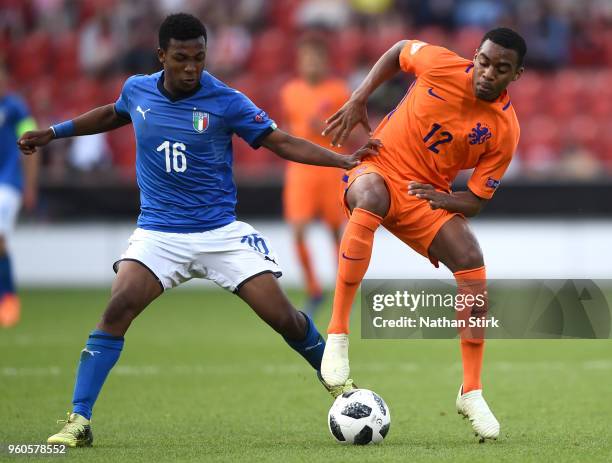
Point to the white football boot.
(473, 406)
(335, 363)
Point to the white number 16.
(179, 160)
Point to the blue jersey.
(184, 150)
(13, 112)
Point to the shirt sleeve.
(122, 105)
(249, 122)
(418, 57)
(491, 168)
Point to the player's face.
(494, 68)
(312, 63)
(183, 63)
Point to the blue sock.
(7, 285)
(312, 346)
(99, 356)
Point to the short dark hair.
(180, 26)
(507, 38)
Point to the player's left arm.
(464, 202)
(299, 150)
(482, 184)
(255, 127)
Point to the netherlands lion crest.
(480, 134)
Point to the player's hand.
(345, 119)
(436, 199)
(369, 149)
(28, 142)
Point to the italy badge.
(200, 121)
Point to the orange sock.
(472, 343)
(312, 285)
(353, 261)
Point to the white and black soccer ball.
(359, 417)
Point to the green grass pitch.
(201, 379)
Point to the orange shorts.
(411, 219)
(311, 192)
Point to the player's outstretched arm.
(97, 120)
(299, 150)
(354, 110)
(464, 202)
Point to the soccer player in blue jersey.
(17, 182)
(183, 120)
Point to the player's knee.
(122, 309)
(470, 258)
(370, 194)
(374, 202)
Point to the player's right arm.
(354, 110)
(98, 120)
(411, 56)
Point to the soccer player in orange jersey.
(312, 192)
(457, 115)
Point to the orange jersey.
(307, 106)
(311, 191)
(440, 127)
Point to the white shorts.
(10, 202)
(229, 256)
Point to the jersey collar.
(166, 93)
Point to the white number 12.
(179, 160)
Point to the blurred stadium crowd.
(66, 56)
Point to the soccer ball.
(359, 417)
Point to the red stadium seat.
(282, 15)
(66, 56)
(540, 130)
(584, 130)
(569, 82)
(433, 34)
(387, 33)
(31, 57)
(526, 94)
(465, 41)
(347, 49)
(123, 149)
(598, 94)
(269, 53)
(604, 150)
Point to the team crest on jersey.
(492, 183)
(200, 121)
(479, 134)
(260, 117)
